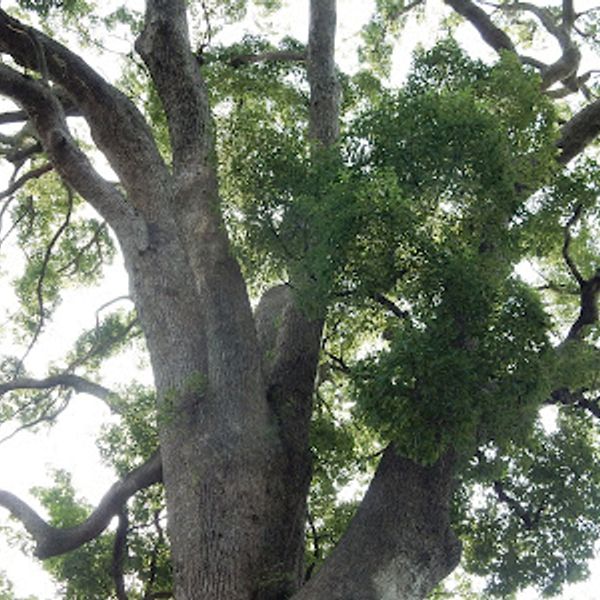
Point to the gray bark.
(399, 544)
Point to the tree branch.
(324, 86)
(529, 521)
(391, 306)
(52, 541)
(274, 56)
(42, 276)
(68, 380)
(565, 397)
(579, 132)
(117, 126)
(490, 33)
(567, 243)
(120, 553)
(164, 46)
(21, 181)
(72, 164)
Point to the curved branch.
(490, 33)
(579, 132)
(117, 126)
(49, 119)
(19, 183)
(53, 541)
(75, 382)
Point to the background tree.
(381, 232)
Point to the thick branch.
(405, 513)
(117, 126)
(49, 120)
(490, 33)
(165, 48)
(579, 132)
(324, 86)
(52, 541)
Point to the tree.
(381, 229)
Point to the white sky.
(28, 459)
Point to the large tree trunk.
(399, 545)
(234, 389)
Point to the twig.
(40, 283)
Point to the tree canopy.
(439, 237)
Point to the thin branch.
(529, 521)
(66, 380)
(153, 569)
(567, 242)
(40, 284)
(577, 399)
(52, 541)
(120, 553)
(391, 306)
(109, 304)
(274, 56)
(19, 183)
(47, 416)
(97, 349)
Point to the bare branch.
(164, 46)
(13, 116)
(40, 284)
(579, 132)
(568, 14)
(491, 34)
(119, 554)
(21, 181)
(322, 77)
(567, 242)
(52, 541)
(117, 126)
(79, 384)
(274, 56)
